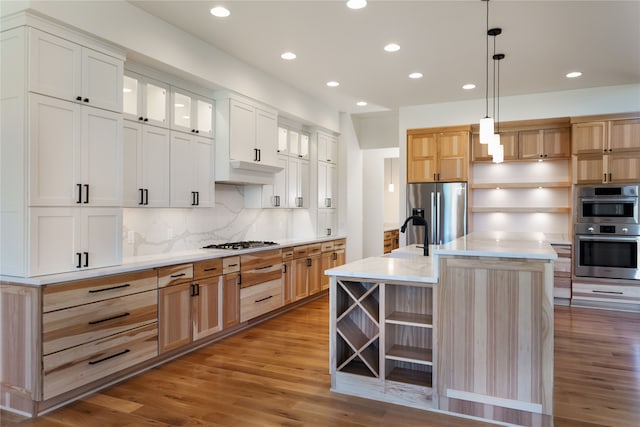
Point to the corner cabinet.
(438, 154)
(382, 340)
(606, 149)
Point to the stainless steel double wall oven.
(607, 232)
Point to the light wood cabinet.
(391, 240)
(544, 144)
(562, 272)
(333, 255)
(306, 270)
(260, 299)
(230, 292)
(440, 154)
(508, 139)
(606, 151)
(146, 159)
(188, 309)
(287, 276)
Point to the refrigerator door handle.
(434, 219)
(438, 213)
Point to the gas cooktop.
(247, 244)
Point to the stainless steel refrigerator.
(443, 205)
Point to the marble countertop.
(407, 264)
(143, 262)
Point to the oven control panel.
(611, 229)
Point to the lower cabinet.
(230, 292)
(333, 255)
(288, 279)
(306, 270)
(189, 310)
(562, 272)
(260, 299)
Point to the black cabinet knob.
(140, 118)
(86, 100)
(146, 119)
(78, 98)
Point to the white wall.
(350, 193)
(391, 199)
(377, 130)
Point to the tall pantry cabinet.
(61, 150)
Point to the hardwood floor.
(276, 374)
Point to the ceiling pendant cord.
(486, 123)
(486, 73)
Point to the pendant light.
(486, 123)
(391, 187)
(498, 152)
(494, 139)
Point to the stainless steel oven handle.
(609, 199)
(609, 238)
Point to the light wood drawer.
(260, 299)
(300, 251)
(339, 244)
(287, 254)
(174, 274)
(388, 235)
(388, 246)
(260, 267)
(67, 328)
(230, 264)
(314, 249)
(327, 246)
(606, 292)
(562, 267)
(70, 294)
(75, 367)
(563, 251)
(208, 268)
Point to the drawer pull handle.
(173, 276)
(95, 322)
(607, 292)
(93, 291)
(264, 299)
(264, 268)
(233, 265)
(95, 362)
(211, 269)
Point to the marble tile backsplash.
(148, 231)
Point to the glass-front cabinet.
(192, 113)
(145, 100)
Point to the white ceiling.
(445, 40)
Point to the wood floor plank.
(276, 374)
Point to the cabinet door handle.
(239, 280)
(233, 265)
(86, 194)
(284, 268)
(79, 187)
(255, 154)
(118, 316)
(146, 196)
(195, 290)
(197, 198)
(141, 196)
(79, 264)
(610, 177)
(211, 269)
(264, 268)
(94, 362)
(309, 262)
(193, 198)
(264, 299)
(259, 155)
(95, 291)
(334, 256)
(328, 232)
(86, 259)
(604, 177)
(607, 292)
(173, 276)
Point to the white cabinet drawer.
(75, 367)
(606, 292)
(70, 327)
(260, 299)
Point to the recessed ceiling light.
(356, 4)
(469, 86)
(220, 11)
(333, 84)
(392, 47)
(126, 90)
(288, 55)
(361, 103)
(415, 75)
(574, 74)
(179, 105)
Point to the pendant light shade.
(486, 130)
(493, 144)
(498, 155)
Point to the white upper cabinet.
(191, 175)
(253, 134)
(145, 100)
(69, 71)
(327, 223)
(275, 195)
(192, 113)
(327, 148)
(146, 161)
(75, 154)
(298, 183)
(266, 136)
(327, 185)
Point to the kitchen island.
(468, 330)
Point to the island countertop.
(407, 264)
